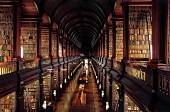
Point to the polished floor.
(75, 99)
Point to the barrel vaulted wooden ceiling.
(81, 21)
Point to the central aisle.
(70, 100)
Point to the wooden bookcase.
(54, 45)
(115, 96)
(29, 39)
(31, 97)
(107, 87)
(56, 79)
(61, 77)
(168, 33)
(6, 33)
(140, 33)
(119, 40)
(60, 52)
(110, 43)
(105, 44)
(47, 83)
(129, 105)
(7, 103)
(45, 42)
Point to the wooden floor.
(74, 100)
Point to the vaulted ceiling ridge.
(96, 28)
(80, 26)
(85, 29)
(69, 6)
(85, 14)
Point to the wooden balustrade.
(139, 72)
(31, 63)
(46, 61)
(8, 67)
(164, 81)
(55, 60)
(118, 66)
(61, 60)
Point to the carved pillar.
(125, 9)
(158, 30)
(17, 30)
(50, 42)
(114, 39)
(111, 92)
(39, 24)
(121, 98)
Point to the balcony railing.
(164, 81)
(30, 63)
(8, 67)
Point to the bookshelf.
(103, 79)
(60, 53)
(110, 43)
(61, 78)
(168, 33)
(29, 40)
(115, 96)
(8, 68)
(56, 79)
(64, 47)
(140, 33)
(45, 43)
(47, 83)
(129, 105)
(7, 103)
(119, 40)
(6, 33)
(54, 45)
(105, 43)
(108, 87)
(31, 97)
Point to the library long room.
(84, 55)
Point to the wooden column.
(158, 30)
(50, 42)
(17, 53)
(107, 36)
(17, 31)
(39, 24)
(57, 45)
(121, 98)
(125, 9)
(51, 85)
(100, 45)
(114, 39)
(111, 92)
